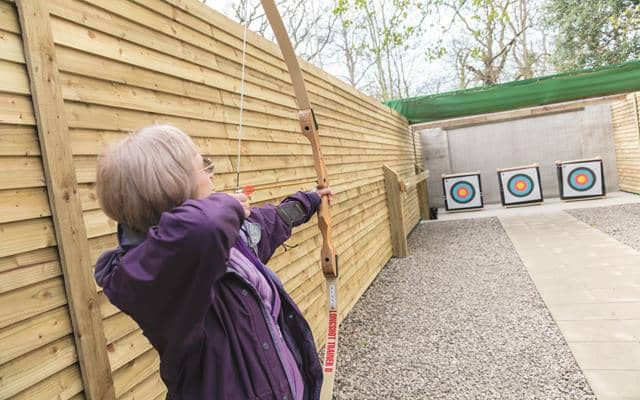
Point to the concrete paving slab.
(590, 283)
(622, 355)
(615, 385)
(598, 331)
(566, 296)
(632, 326)
(597, 280)
(595, 311)
(571, 295)
(577, 273)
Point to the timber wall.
(126, 64)
(626, 135)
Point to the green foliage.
(434, 53)
(394, 27)
(594, 33)
(487, 43)
(381, 31)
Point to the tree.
(490, 41)
(246, 10)
(310, 24)
(593, 33)
(381, 32)
(491, 38)
(531, 58)
(394, 48)
(351, 52)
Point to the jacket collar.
(128, 238)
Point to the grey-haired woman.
(190, 270)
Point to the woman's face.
(205, 176)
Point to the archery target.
(462, 192)
(520, 186)
(581, 179)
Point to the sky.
(220, 5)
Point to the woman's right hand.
(244, 202)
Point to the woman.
(190, 270)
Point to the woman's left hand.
(325, 192)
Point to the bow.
(309, 129)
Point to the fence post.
(392, 184)
(637, 110)
(423, 195)
(71, 236)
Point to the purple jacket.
(207, 322)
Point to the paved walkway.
(591, 284)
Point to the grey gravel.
(622, 221)
(458, 319)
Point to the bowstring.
(240, 125)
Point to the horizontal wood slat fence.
(626, 135)
(78, 75)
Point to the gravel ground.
(622, 222)
(458, 319)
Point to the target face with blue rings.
(581, 179)
(462, 192)
(520, 185)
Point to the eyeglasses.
(208, 166)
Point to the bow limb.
(309, 130)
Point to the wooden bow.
(309, 128)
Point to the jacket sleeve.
(275, 230)
(170, 274)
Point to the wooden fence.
(76, 75)
(626, 134)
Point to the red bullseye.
(462, 192)
(520, 185)
(582, 179)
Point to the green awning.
(521, 94)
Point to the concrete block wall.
(583, 133)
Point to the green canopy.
(521, 94)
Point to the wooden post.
(636, 108)
(73, 246)
(392, 184)
(423, 194)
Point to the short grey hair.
(146, 174)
